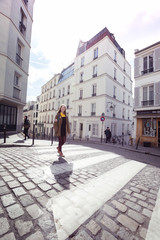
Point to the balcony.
(145, 71)
(94, 75)
(22, 28)
(18, 59)
(93, 113)
(148, 103)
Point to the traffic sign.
(102, 118)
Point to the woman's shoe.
(61, 154)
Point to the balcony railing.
(93, 113)
(18, 59)
(148, 103)
(22, 27)
(147, 70)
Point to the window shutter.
(136, 67)
(157, 59)
(136, 98)
(157, 93)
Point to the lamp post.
(102, 118)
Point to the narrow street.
(94, 192)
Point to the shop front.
(148, 128)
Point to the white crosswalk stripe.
(72, 207)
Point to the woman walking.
(61, 127)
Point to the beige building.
(97, 82)
(147, 94)
(15, 37)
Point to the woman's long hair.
(60, 109)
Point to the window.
(54, 82)
(74, 126)
(16, 93)
(114, 91)
(63, 91)
(52, 105)
(148, 95)
(22, 23)
(82, 61)
(94, 90)
(18, 54)
(53, 93)
(95, 71)
(123, 97)
(147, 64)
(79, 110)
(124, 81)
(81, 94)
(122, 128)
(129, 100)
(115, 56)
(59, 93)
(149, 127)
(93, 109)
(95, 53)
(123, 113)
(114, 111)
(94, 129)
(124, 67)
(25, 2)
(81, 77)
(67, 103)
(128, 114)
(115, 73)
(68, 91)
(16, 79)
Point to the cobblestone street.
(95, 192)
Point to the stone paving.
(29, 184)
(127, 215)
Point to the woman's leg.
(60, 144)
(63, 140)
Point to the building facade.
(15, 37)
(102, 82)
(147, 94)
(97, 82)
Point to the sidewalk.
(17, 140)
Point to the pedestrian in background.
(61, 127)
(26, 126)
(108, 134)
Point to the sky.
(59, 25)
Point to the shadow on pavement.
(62, 170)
(143, 156)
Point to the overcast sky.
(59, 25)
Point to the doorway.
(80, 130)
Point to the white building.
(147, 94)
(15, 37)
(98, 80)
(102, 80)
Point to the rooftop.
(83, 46)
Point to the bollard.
(33, 134)
(4, 131)
(51, 136)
